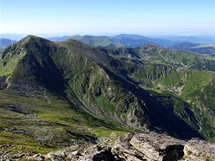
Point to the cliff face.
(132, 147)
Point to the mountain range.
(201, 45)
(198, 44)
(53, 94)
(5, 43)
(122, 40)
(198, 48)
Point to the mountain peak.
(30, 45)
(33, 39)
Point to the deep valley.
(56, 94)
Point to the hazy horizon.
(18, 37)
(94, 17)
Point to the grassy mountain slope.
(34, 103)
(66, 92)
(187, 76)
(108, 94)
(198, 48)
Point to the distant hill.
(193, 39)
(188, 43)
(15, 37)
(60, 39)
(6, 42)
(131, 40)
(123, 40)
(198, 48)
(104, 41)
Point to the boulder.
(158, 146)
(199, 150)
(131, 147)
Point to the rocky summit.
(105, 103)
(131, 147)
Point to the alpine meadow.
(107, 80)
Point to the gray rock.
(158, 146)
(199, 150)
(38, 157)
(131, 147)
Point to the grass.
(57, 117)
(196, 80)
(21, 143)
(9, 62)
(51, 122)
(196, 89)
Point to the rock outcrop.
(199, 150)
(134, 147)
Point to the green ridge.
(69, 92)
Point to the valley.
(54, 94)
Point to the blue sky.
(107, 17)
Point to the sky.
(107, 17)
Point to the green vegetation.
(198, 48)
(47, 124)
(62, 93)
(98, 41)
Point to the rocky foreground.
(131, 147)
